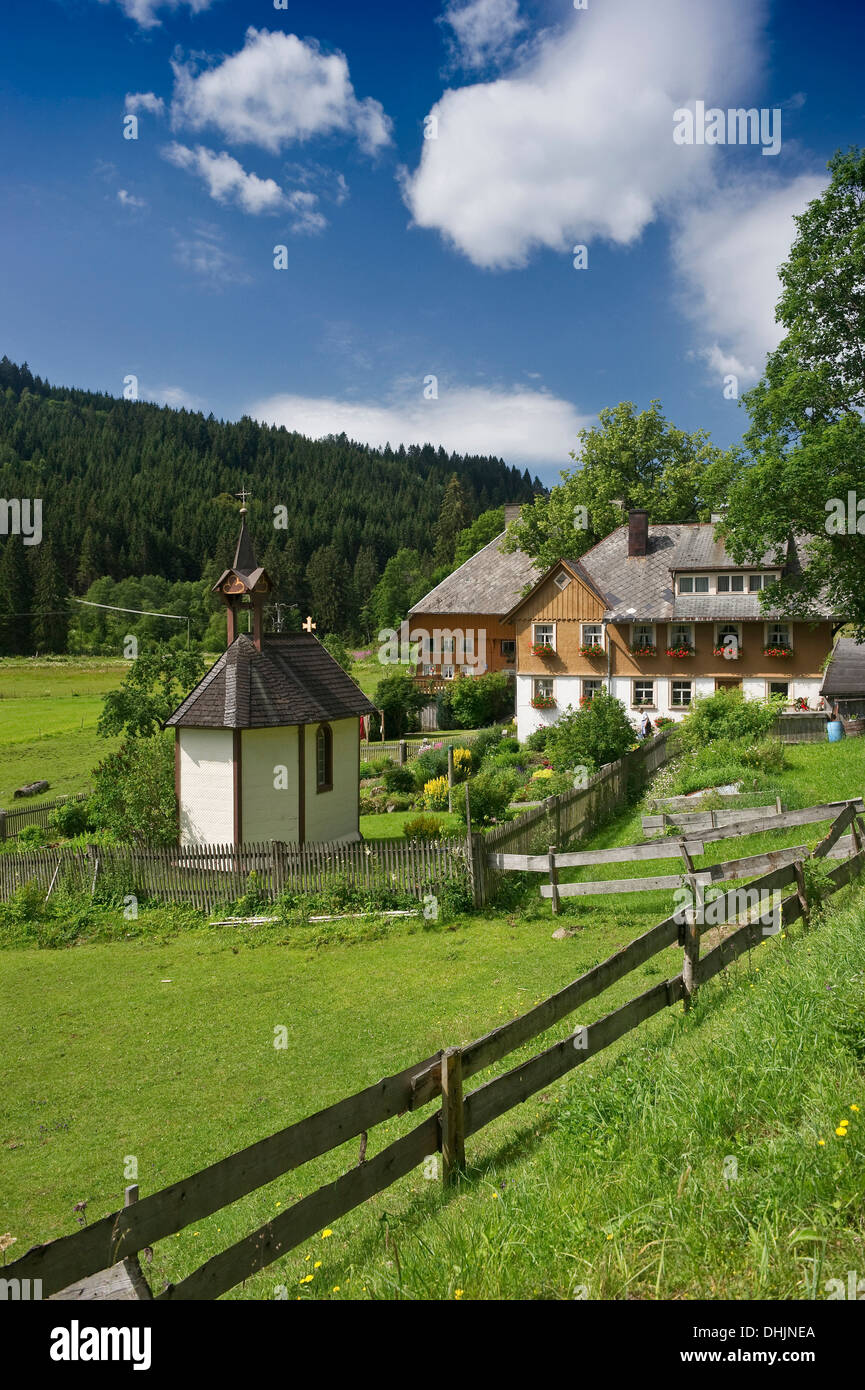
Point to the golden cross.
(308, 625)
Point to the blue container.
(835, 730)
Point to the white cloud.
(525, 427)
(228, 182)
(202, 253)
(277, 90)
(484, 31)
(578, 141)
(727, 250)
(144, 11)
(129, 200)
(145, 101)
(175, 396)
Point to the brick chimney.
(638, 531)
(512, 512)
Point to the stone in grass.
(561, 933)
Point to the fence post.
(401, 752)
(554, 880)
(801, 892)
(558, 812)
(694, 917)
(452, 1116)
(450, 777)
(2, 825)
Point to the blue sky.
(409, 258)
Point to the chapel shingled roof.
(292, 680)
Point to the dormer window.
(731, 583)
(693, 583)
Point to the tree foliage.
(806, 441)
(133, 792)
(635, 458)
(599, 733)
(155, 684)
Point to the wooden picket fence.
(209, 875)
(11, 822)
(403, 750)
(87, 1254)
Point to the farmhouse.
(843, 686)
(467, 611)
(267, 745)
(658, 615)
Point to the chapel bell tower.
(245, 586)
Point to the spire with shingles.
(244, 556)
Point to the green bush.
(72, 818)
(478, 700)
(423, 828)
(133, 795)
(426, 766)
(598, 733)
(488, 740)
(727, 715)
(399, 779)
(489, 794)
(537, 741)
(368, 770)
(768, 756)
(32, 837)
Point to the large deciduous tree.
(804, 472)
(635, 458)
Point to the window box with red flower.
(543, 702)
(778, 651)
(680, 652)
(542, 649)
(644, 649)
(731, 653)
(591, 649)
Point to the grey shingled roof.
(491, 581)
(292, 680)
(638, 587)
(845, 674)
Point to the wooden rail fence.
(697, 830)
(61, 1263)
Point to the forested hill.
(131, 488)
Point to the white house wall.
(206, 787)
(269, 784)
(567, 691)
(333, 815)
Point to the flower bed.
(591, 649)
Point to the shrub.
(599, 733)
(399, 779)
(537, 741)
(478, 700)
(509, 745)
(422, 828)
(133, 794)
(728, 715)
(462, 763)
(72, 818)
(379, 765)
(489, 794)
(505, 759)
(398, 801)
(487, 741)
(435, 793)
(32, 837)
(368, 770)
(432, 763)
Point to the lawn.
(161, 1049)
(388, 825)
(48, 714)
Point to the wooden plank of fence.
(755, 824)
(72, 1257)
(307, 1216)
(836, 830)
(613, 885)
(504, 1092)
(616, 854)
(681, 803)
